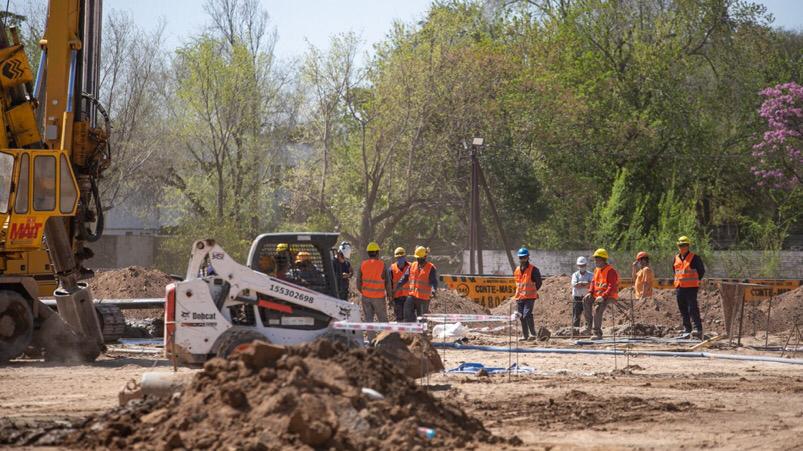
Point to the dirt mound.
(130, 282)
(415, 354)
(445, 301)
(554, 295)
(787, 310)
(311, 396)
(449, 301)
(553, 307)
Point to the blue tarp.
(473, 367)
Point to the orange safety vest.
(373, 286)
(600, 282)
(397, 274)
(525, 287)
(685, 275)
(419, 281)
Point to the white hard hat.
(345, 249)
(582, 261)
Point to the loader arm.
(222, 304)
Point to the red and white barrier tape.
(410, 328)
(455, 317)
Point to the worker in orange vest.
(689, 270)
(528, 282)
(604, 290)
(372, 281)
(423, 278)
(397, 270)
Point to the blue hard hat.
(524, 252)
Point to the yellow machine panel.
(14, 67)
(22, 121)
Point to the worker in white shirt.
(581, 280)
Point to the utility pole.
(475, 222)
(474, 218)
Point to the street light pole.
(475, 218)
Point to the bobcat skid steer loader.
(286, 296)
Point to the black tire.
(16, 325)
(234, 338)
(112, 322)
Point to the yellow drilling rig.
(53, 150)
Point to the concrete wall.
(739, 264)
(118, 251)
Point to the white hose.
(710, 355)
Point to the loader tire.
(16, 325)
(233, 338)
(112, 322)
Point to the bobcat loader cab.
(223, 305)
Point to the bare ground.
(35, 390)
(572, 402)
(594, 402)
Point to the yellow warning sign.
(770, 288)
(491, 291)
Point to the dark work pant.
(577, 310)
(593, 312)
(398, 308)
(689, 310)
(413, 308)
(525, 309)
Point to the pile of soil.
(787, 310)
(269, 397)
(449, 301)
(414, 354)
(662, 309)
(445, 301)
(553, 307)
(130, 282)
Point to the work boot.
(597, 335)
(530, 324)
(586, 331)
(698, 334)
(524, 339)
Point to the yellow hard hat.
(303, 256)
(399, 252)
(601, 253)
(281, 247)
(684, 240)
(420, 252)
(372, 247)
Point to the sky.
(315, 21)
(296, 21)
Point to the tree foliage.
(607, 123)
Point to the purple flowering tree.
(779, 154)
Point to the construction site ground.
(570, 402)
